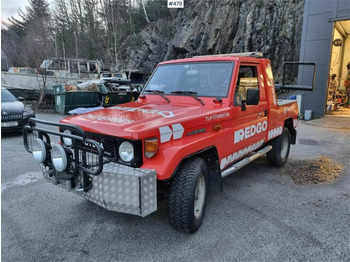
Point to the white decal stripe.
(275, 132)
(165, 134)
(237, 155)
(178, 131)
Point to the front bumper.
(20, 124)
(91, 175)
(118, 188)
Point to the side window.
(247, 78)
(63, 65)
(74, 67)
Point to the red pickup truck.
(196, 121)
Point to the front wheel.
(188, 195)
(279, 153)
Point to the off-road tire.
(182, 195)
(279, 153)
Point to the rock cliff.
(223, 26)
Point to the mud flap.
(293, 138)
(215, 181)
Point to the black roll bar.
(297, 87)
(77, 129)
(82, 138)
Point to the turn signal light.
(216, 127)
(151, 147)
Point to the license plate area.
(9, 124)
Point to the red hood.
(135, 120)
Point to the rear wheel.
(278, 156)
(188, 195)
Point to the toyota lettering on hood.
(165, 114)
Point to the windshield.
(210, 79)
(46, 64)
(6, 96)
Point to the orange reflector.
(216, 127)
(151, 147)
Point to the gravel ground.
(261, 215)
(319, 170)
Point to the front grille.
(110, 145)
(88, 154)
(11, 117)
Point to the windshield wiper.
(157, 92)
(189, 93)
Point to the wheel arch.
(211, 158)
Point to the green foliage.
(139, 19)
(135, 41)
(92, 29)
(168, 30)
(157, 9)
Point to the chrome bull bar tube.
(79, 141)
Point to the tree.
(30, 33)
(144, 10)
(92, 29)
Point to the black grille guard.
(85, 150)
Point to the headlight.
(67, 141)
(28, 111)
(126, 151)
(59, 158)
(39, 150)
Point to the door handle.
(261, 114)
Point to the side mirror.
(20, 98)
(253, 96)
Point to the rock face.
(206, 27)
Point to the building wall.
(319, 17)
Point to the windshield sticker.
(109, 119)
(237, 155)
(218, 116)
(165, 114)
(249, 131)
(166, 132)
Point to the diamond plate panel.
(148, 194)
(120, 188)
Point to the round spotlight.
(59, 158)
(67, 141)
(126, 151)
(39, 150)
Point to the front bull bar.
(88, 154)
(113, 186)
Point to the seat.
(240, 94)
